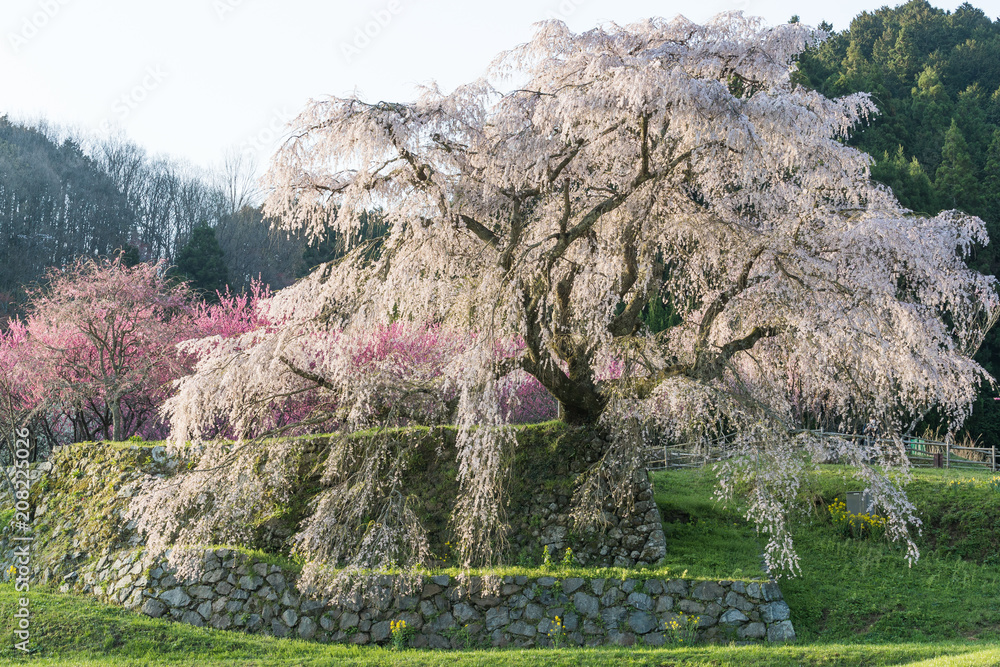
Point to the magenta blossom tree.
(100, 344)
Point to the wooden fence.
(920, 452)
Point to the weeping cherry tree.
(531, 215)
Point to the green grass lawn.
(858, 590)
(856, 602)
(69, 630)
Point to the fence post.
(993, 459)
(947, 454)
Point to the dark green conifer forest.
(935, 77)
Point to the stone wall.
(88, 486)
(238, 592)
(84, 544)
(625, 538)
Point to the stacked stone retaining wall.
(238, 592)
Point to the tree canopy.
(935, 78)
(202, 262)
(662, 160)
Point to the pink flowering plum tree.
(548, 203)
(99, 345)
(97, 354)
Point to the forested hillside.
(62, 198)
(55, 204)
(935, 76)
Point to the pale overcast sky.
(192, 78)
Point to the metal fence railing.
(920, 452)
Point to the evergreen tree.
(129, 256)
(660, 315)
(970, 113)
(956, 176)
(930, 111)
(908, 181)
(335, 245)
(202, 263)
(991, 185)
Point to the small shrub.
(400, 634)
(461, 635)
(858, 526)
(569, 560)
(682, 629)
(557, 633)
(525, 559)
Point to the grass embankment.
(856, 602)
(859, 589)
(68, 630)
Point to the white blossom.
(658, 160)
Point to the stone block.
(175, 597)
(737, 601)
(444, 622)
(464, 613)
(311, 606)
(678, 587)
(752, 631)
(781, 632)
(279, 629)
(586, 604)
(691, 607)
(733, 617)
(220, 621)
(774, 611)
(193, 618)
(708, 590)
(522, 629)
(496, 618)
(641, 622)
(153, 608)
(653, 587)
(380, 631)
(200, 592)
(639, 601)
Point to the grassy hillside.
(851, 589)
(856, 603)
(68, 630)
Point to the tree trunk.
(116, 417)
(576, 417)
